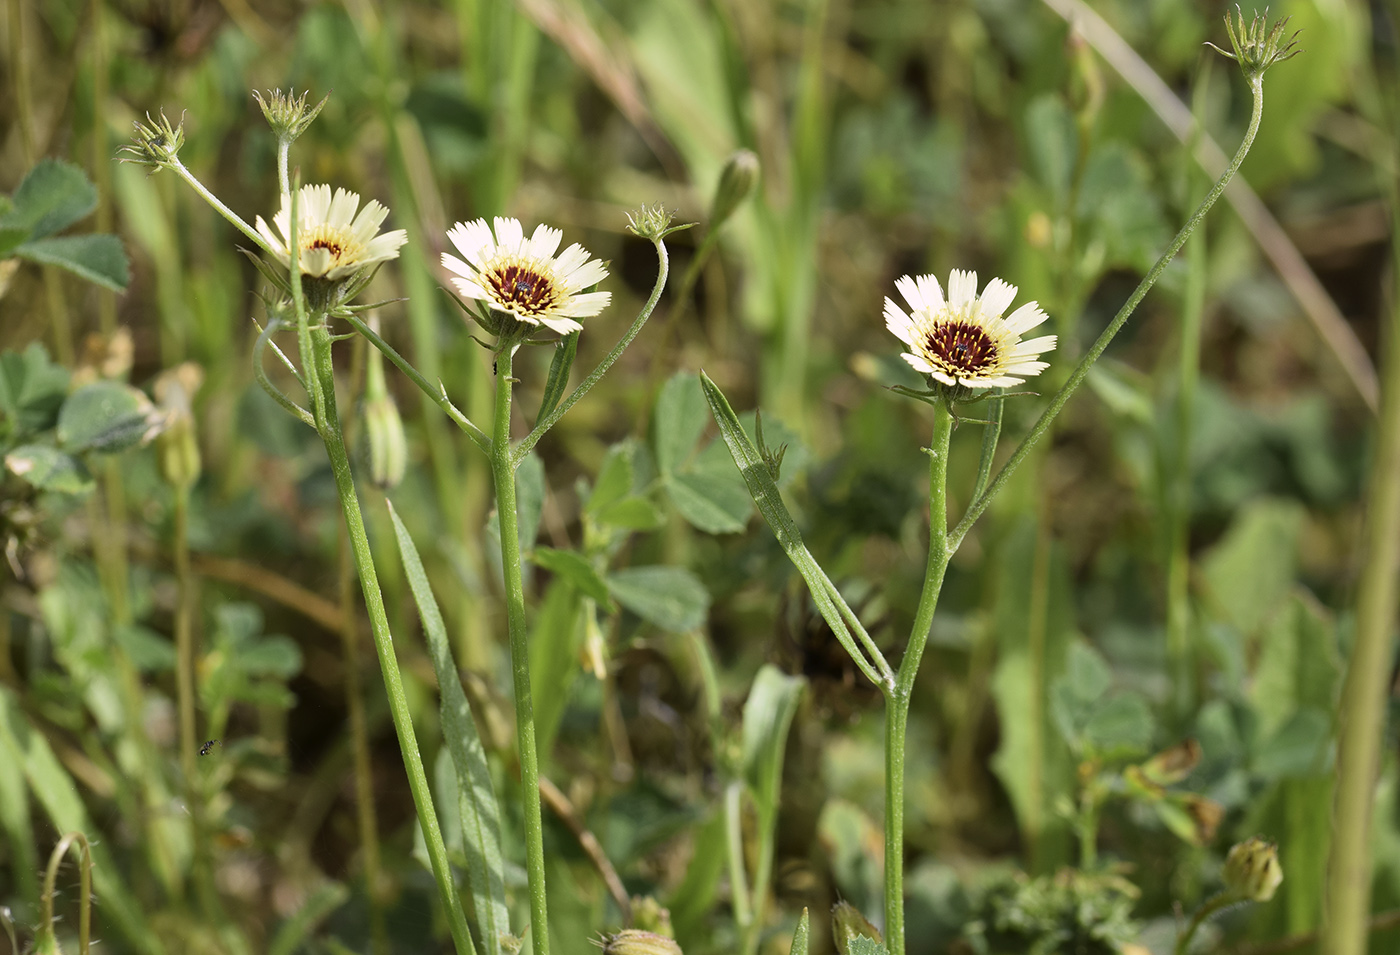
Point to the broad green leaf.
(671, 597)
(480, 815)
(630, 513)
(768, 714)
(149, 651)
(678, 421)
(98, 258)
(1053, 143)
(614, 478)
(32, 389)
(847, 834)
(1121, 725)
(1299, 665)
(1298, 748)
(323, 900)
(26, 749)
(49, 469)
(558, 380)
(1249, 573)
(270, 656)
(105, 416)
(574, 567)
(714, 503)
(53, 195)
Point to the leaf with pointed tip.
(98, 258)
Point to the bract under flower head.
(523, 277)
(963, 340)
(334, 242)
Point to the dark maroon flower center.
(529, 292)
(961, 347)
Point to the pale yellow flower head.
(523, 277)
(963, 339)
(334, 243)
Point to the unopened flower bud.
(288, 116)
(1252, 870)
(651, 916)
(633, 941)
(156, 143)
(736, 181)
(1257, 46)
(388, 447)
(848, 924)
(653, 223)
(177, 444)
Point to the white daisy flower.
(963, 340)
(521, 276)
(334, 242)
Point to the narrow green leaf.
(555, 638)
(630, 513)
(801, 938)
(19, 832)
(768, 714)
(671, 597)
(323, 900)
(49, 469)
(481, 818)
(991, 434)
(98, 258)
(558, 380)
(678, 421)
(54, 195)
(575, 568)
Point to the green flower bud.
(633, 941)
(156, 143)
(651, 916)
(847, 924)
(287, 116)
(736, 181)
(1252, 871)
(388, 447)
(653, 223)
(1257, 46)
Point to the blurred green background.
(1178, 562)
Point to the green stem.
(234, 219)
(1363, 716)
(315, 343)
(503, 470)
(1081, 370)
(184, 644)
(897, 699)
(1208, 908)
(663, 269)
(734, 844)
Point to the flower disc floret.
(963, 340)
(523, 277)
(334, 243)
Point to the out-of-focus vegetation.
(1138, 657)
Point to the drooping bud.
(631, 941)
(156, 143)
(1252, 870)
(287, 113)
(736, 181)
(388, 446)
(848, 924)
(177, 445)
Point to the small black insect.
(208, 747)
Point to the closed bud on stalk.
(847, 924)
(736, 181)
(388, 446)
(651, 916)
(631, 941)
(177, 444)
(1252, 870)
